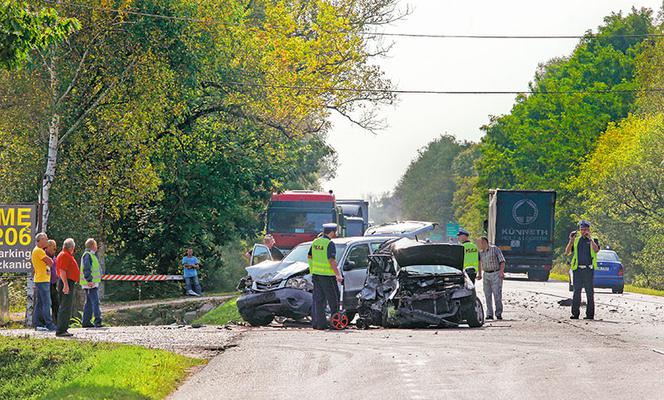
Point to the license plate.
(602, 268)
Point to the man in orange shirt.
(69, 274)
(41, 264)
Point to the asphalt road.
(537, 352)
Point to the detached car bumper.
(286, 302)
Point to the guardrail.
(139, 279)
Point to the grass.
(221, 315)
(628, 288)
(559, 277)
(62, 369)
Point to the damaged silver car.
(415, 284)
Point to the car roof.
(356, 239)
(401, 228)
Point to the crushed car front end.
(414, 284)
(281, 289)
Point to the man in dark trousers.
(584, 263)
(325, 276)
(69, 274)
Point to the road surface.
(537, 352)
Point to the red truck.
(297, 216)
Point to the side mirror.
(349, 265)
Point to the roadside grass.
(628, 288)
(559, 277)
(221, 315)
(64, 369)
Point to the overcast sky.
(371, 164)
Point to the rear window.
(607, 256)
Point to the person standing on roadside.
(325, 276)
(67, 286)
(90, 278)
(190, 266)
(584, 263)
(471, 260)
(492, 268)
(41, 264)
(51, 251)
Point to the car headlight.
(299, 282)
(468, 284)
(245, 283)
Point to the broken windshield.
(430, 270)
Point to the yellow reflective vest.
(575, 254)
(319, 264)
(471, 258)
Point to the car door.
(354, 269)
(259, 254)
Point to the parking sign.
(17, 230)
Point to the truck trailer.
(521, 224)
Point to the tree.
(622, 188)
(427, 187)
(546, 137)
(23, 30)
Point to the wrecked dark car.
(414, 284)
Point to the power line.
(446, 92)
(384, 34)
(436, 36)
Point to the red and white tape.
(141, 278)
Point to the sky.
(373, 164)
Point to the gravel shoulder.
(205, 342)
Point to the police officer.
(471, 260)
(325, 275)
(584, 263)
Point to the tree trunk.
(53, 142)
(52, 160)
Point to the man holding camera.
(584, 263)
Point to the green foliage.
(174, 132)
(23, 30)
(621, 188)
(222, 315)
(546, 137)
(427, 187)
(54, 369)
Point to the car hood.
(269, 271)
(410, 252)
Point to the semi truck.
(521, 224)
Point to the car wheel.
(618, 290)
(571, 287)
(475, 316)
(258, 320)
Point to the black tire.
(571, 287)
(258, 320)
(618, 289)
(475, 315)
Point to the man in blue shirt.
(190, 266)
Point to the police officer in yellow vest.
(325, 276)
(90, 279)
(584, 263)
(471, 259)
